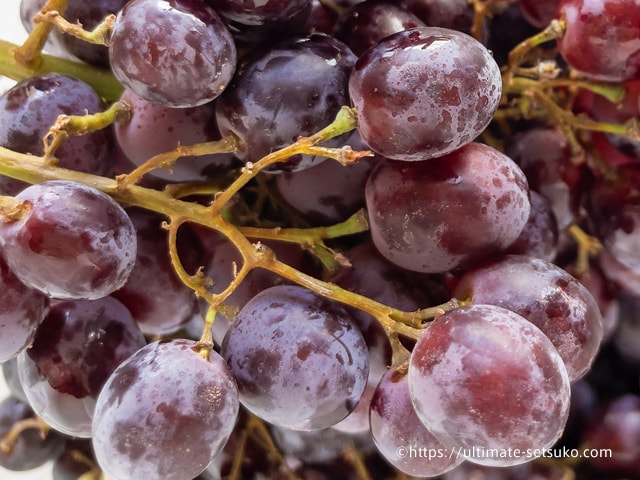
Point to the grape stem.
(98, 36)
(8, 442)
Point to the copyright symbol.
(401, 451)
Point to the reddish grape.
(453, 14)
(447, 212)
(539, 13)
(483, 379)
(259, 12)
(399, 434)
(547, 296)
(164, 413)
(602, 38)
(299, 360)
(424, 92)
(177, 53)
(21, 311)
(73, 241)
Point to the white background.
(11, 29)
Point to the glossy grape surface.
(424, 92)
(177, 53)
(72, 242)
(484, 377)
(299, 360)
(164, 413)
(446, 212)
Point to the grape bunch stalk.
(321, 239)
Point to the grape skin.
(157, 46)
(299, 360)
(447, 212)
(424, 92)
(74, 242)
(483, 376)
(164, 413)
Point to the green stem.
(102, 80)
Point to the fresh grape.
(73, 241)
(177, 53)
(424, 92)
(445, 213)
(21, 311)
(453, 14)
(539, 13)
(299, 360)
(398, 432)
(293, 88)
(164, 413)
(601, 38)
(482, 377)
(547, 296)
(254, 12)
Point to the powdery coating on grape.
(395, 426)
(73, 242)
(299, 360)
(164, 413)
(441, 214)
(292, 89)
(424, 92)
(483, 376)
(21, 310)
(547, 296)
(177, 53)
(62, 412)
(602, 38)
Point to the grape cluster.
(321, 239)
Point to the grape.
(139, 138)
(21, 311)
(482, 376)
(164, 413)
(156, 46)
(12, 379)
(254, 12)
(369, 22)
(395, 426)
(30, 449)
(32, 106)
(294, 88)
(445, 213)
(453, 14)
(539, 13)
(73, 241)
(299, 360)
(601, 38)
(159, 302)
(424, 92)
(547, 296)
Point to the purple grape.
(21, 310)
(155, 129)
(177, 53)
(547, 296)
(293, 88)
(30, 449)
(299, 360)
(399, 434)
(164, 413)
(72, 242)
(453, 14)
(259, 12)
(482, 377)
(31, 107)
(448, 212)
(424, 92)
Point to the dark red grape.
(453, 14)
(424, 92)
(299, 360)
(483, 379)
(294, 88)
(259, 12)
(601, 38)
(177, 53)
(539, 13)
(164, 413)
(447, 212)
(547, 296)
(31, 107)
(21, 310)
(72, 242)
